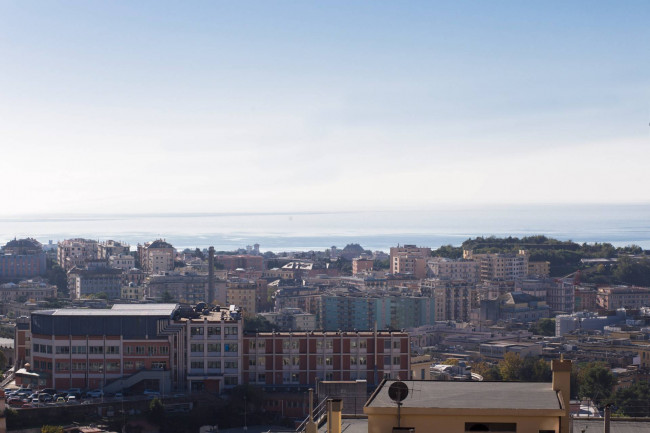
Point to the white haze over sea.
(620, 225)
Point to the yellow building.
(460, 407)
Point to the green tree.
(535, 370)
(544, 327)
(156, 413)
(490, 372)
(166, 297)
(633, 401)
(450, 361)
(510, 367)
(596, 381)
(52, 429)
(256, 323)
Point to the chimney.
(211, 275)
(562, 383)
(334, 410)
(607, 417)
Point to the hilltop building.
(156, 257)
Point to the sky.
(229, 106)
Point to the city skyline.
(288, 106)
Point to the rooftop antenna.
(397, 392)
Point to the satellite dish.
(398, 391)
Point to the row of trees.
(593, 380)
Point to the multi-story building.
(448, 269)
(110, 248)
(74, 252)
(515, 306)
(121, 261)
(186, 287)
(500, 266)
(360, 265)
(561, 296)
(243, 293)
(135, 346)
(539, 269)
(156, 257)
(232, 262)
(409, 259)
(83, 282)
(384, 312)
(22, 258)
(613, 298)
(585, 298)
(133, 292)
(453, 299)
(301, 359)
(27, 290)
(291, 319)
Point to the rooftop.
(117, 310)
(470, 395)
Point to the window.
(151, 350)
(62, 350)
(386, 360)
(196, 347)
(139, 350)
(230, 380)
(78, 366)
(252, 361)
(128, 350)
(261, 377)
(319, 360)
(396, 344)
(214, 347)
(96, 366)
(163, 350)
(196, 364)
(139, 365)
(353, 344)
(395, 360)
(214, 331)
(128, 365)
(353, 360)
(261, 360)
(490, 426)
(113, 366)
(159, 365)
(329, 344)
(230, 330)
(232, 347)
(285, 360)
(62, 366)
(230, 364)
(214, 364)
(112, 350)
(196, 330)
(295, 360)
(386, 344)
(328, 360)
(95, 350)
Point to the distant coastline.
(619, 225)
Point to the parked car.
(50, 391)
(95, 393)
(45, 398)
(60, 400)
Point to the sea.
(620, 225)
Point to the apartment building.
(360, 265)
(613, 298)
(290, 319)
(452, 299)
(156, 257)
(500, 266)
(27, 290)
(22, 258)
(449, 269)
(84, 282)
(110, 248)
(409, 259)
(232, 262)
(74, 252)
(121, 261)
(384, 312)
(243, 294)
(303, 358)
(188, 287)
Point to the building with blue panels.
(22, 258)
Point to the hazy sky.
(140, 106)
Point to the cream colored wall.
(456, 424)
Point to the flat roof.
(470, 395)
(117, 310)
